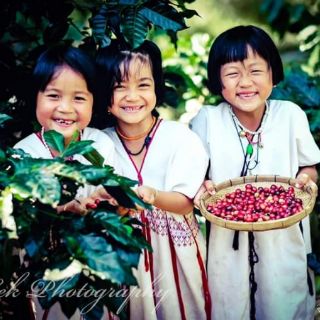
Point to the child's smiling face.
(66, 104)
(247, 84)
(134, 98)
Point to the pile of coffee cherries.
(257, 204)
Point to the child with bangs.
(64, 89)
(169, 163)
(251, 134)
(64, 81)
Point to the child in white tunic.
(169, 157)
(243, 66)
(65, 84)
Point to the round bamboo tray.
(307, 195)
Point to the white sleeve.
(199, 124)
(108, 152)
(34, 147)
(188, 165)
(308, 151)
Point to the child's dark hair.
(59, 55)
(232, 45)
(109, 60)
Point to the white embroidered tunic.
(281, 273)
(172, 279)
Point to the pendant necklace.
(245, 131)
(253, 139)
(146, 141)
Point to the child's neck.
(250, 120)
(135, 131)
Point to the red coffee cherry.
(257, 204)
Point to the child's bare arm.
(170, 201)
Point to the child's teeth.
(247, 94)
(64, 121)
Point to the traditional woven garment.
(172, 280)
(281, 273)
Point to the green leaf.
(23, 163)
(134, 27)
(97, 253)
(52, 289)
(120, 195)
(105, 42)
(95, 313)
(68, 170)
(98, 24)
(115, 180)
(77, 147)
(118, 230)
(41, 185)
(129, 2)
(129, 258)
(94, 157)
(33, 247)
(272, 8)
(171, 97)
(176, 76)
(296, 12)
(69, 306)
(126, 197)
(189, 13)
(160, 20)
(55, 140)
(54, 33)
(2, 156)
(19, 154)
(136, 200)
(3, 118)
(95, 175)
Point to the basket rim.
(310, 192)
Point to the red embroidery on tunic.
(182, 232)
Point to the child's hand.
(102, 195)
(83, 205)
(303, 180)
(74, 206)
(147, 194)
(98, 195)
(208, 186)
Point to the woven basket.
(307, 195)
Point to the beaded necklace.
(245, 130)
(146, 141)
(253, 138)
(43, 140)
